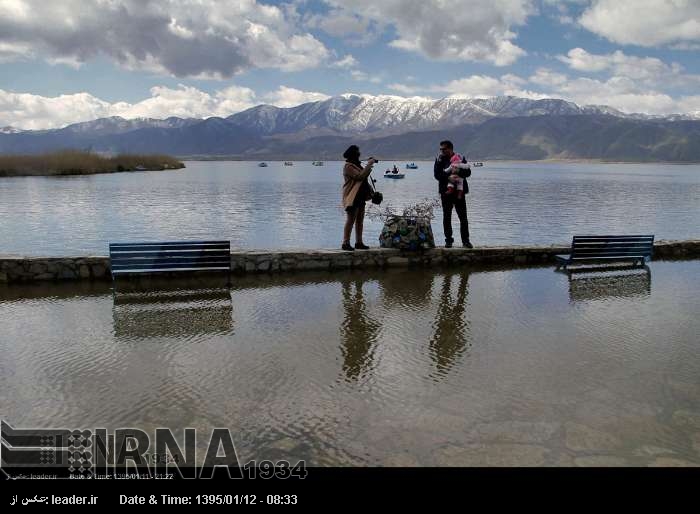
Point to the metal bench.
(169, 256)
(597, 249)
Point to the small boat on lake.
(411, 166)
(317, 163)
(262, 165)
(288, 163)
(389, 174)
(477, 164)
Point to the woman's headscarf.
(352, 154)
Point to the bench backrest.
(169, 256)
(591, 247)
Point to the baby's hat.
(456, 158)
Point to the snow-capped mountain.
(352, 114)
(499, 127)
(357, 114)
(119, 125)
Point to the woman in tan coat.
(356, 191)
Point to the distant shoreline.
(71, 163)
(201, 158)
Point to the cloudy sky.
(64, 61)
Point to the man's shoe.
(347, 247)
(361, 246)
(468, 245)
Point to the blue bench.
(597, 249)
(169, 256)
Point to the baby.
(456, 187)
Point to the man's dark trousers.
(449, 201)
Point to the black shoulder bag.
(377, 197)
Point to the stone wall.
(29, 269)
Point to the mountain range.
(390, 127)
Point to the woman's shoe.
(361, 246)
(347, 247)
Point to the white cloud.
(14, 51)
(473, 87)
(404, 89)
(580, 60)
(290, 97)
(691, 47)
(71, 62)
(546, 77)
(359, 75)
(620, 64)
(561, 12)
(188, 38)
(186, 102)
(644, 22)
(618, 92)
(563, 3)
(27, 111)
(690, 104)
(648, 70)
(512, 80)
(343, 24)
(449, 29)
(364, 77)
(566, 20)
(625, 93)
(483, 86)
(346, 62)
(231, 100)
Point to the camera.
(376, 161)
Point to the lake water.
(503, 367)
(284, 207)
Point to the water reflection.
(353, 368)
(407, 291)
(358, 331)
(609, 283)
(177, 313)
(404, 299)
(452, 326)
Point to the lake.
(285, 207)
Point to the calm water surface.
(400, 368)
(299, 206)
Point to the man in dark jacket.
(442, 162)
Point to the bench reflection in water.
(173, 312)
(609, 283)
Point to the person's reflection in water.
(358, 331)
(451, 324)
